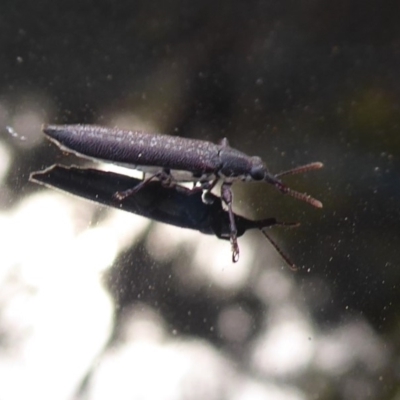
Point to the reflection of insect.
(171, 205)
(173, 159)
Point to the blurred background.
(98, 303)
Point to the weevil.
(175, 205)
(173, 159)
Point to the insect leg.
(227, 198)
(207, 187)
(162, 176)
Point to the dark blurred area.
(292, 82)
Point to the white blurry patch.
(162, 241)
(165, 241)
(62, 331)
(5, 159)
(149, 363)
(118, 169)
(26, 127)
(252, 390)
(212, 259)
(207, 258)
(131, 122)
(55, 315)
(140, 323)
(274, 286)
(352, 344)
(287, 347)
(234, 324)
(160, 368)
(125, 227)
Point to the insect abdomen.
(136, 147)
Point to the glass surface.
(99, 303)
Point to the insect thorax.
(235, 164)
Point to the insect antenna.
(303, 197)
(288, 261)
(300, 170)
(293, 193)
(297, 195)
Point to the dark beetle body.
(173, 159)
(150, 152)
(167, 205)
(172, 206)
